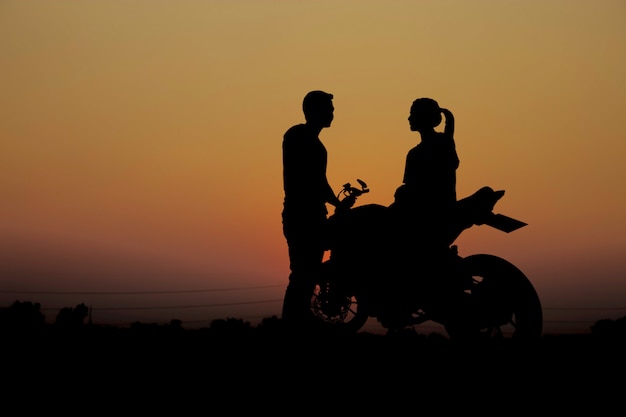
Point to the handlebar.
(348, 190)
(348, 193)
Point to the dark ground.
(260, 370)
(264, 369)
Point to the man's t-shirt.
(304, 173)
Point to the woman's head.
(425, 114)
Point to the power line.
(616, 308)
(569, 321)
(176, 307)
(231, 304)
(584, 308)
(226, 290)
(137, 292)
(187, 306)
(277, 300)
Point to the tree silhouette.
(230, 327)
(610, 329)
(22, 317)
(70, 318)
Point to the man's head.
(318, 108)
(425, 114)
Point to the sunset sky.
(140, 142)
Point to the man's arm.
(331, 198)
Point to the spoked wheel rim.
(337, 312)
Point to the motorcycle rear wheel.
(503, 299)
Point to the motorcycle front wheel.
(335, 307)
(502, 299)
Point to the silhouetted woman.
(426, 201)
(428, 217)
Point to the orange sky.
(140, 140)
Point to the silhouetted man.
(304, 213)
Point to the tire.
(503, 300)
(334, 307)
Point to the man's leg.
(305, 261)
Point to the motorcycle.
(485, 296)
